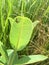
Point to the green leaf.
(1, 64)
(10, 51)
(31, 59)
(21, 31)
(4, 55)
(0, 18)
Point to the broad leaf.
(31, 59)
(21, 30)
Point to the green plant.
(10, 56)
(20, 33)
(21, 28)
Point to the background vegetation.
(35, 10)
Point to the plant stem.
(11, 60)
(22, 8)
(9, 4)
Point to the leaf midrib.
(19, 37)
